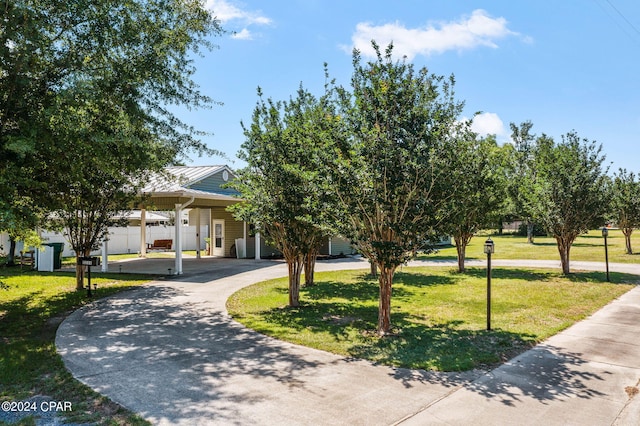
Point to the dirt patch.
(632, 391)
(339, 320)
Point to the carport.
(199, 188)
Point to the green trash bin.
(58, 248)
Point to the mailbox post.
(89, 261)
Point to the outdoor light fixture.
(605, 233)
(489, 249)
(489, 246)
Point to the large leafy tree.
(392, 174)
(572, 190)
(523, 181)
(481, 190)
(85, 90)
(102, 159)
(625, 204)
(280, 185)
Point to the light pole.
(605, 233)
(489, 249)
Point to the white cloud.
(231, 15)
(479, 29)
(488, 123)
(244, 34)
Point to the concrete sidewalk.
(170, 352)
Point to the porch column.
(197, 233)
(178, 234)
(178, 239)
(330, 253)
(257, 246)
(105, 254)
(143, 232)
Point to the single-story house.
(201, 191)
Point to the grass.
(31, 308)
(588, 247)
(439, 315)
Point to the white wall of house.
(122, 239)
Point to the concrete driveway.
(170, 352)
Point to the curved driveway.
(170, 352)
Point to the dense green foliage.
(523, 177)
(625, 204)
(392, 173)
(281, 186)
(572, 191)
(480, 178)
(85, 90)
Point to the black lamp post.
(605, 233)
(489, 249)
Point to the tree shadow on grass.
(366, 288)
(422, 279)
(512, 273)
(545, 276)
(441, 347)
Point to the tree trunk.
(309, 267)
(80, 270)
(564, 248)
(11, 257)
(627, 239)
(295, 266)
(374, 268)
(79, 275)
(461, 248)
(384, 306)
(530, 226)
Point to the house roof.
(172, 187)
(181, 177)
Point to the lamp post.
(605, 233)
(489, 249)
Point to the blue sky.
(565, 65)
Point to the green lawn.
(30, 311)
(588, 247)
(439, 315)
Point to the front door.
(218, 238)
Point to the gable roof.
(174, 187)
(181, 177)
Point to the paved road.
(170, 352)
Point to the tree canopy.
(572, 190)
(280, 186)
(391, 173)
(85, 94)
(479, 173)
(132, 54)
(625, 204)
